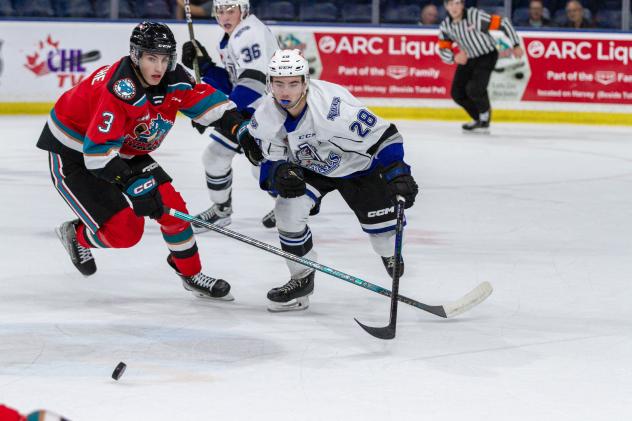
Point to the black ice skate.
(218, 214)
(292, 296)
(389, 265)
(476, 127)
(204, 286)
(269, 221)
(80, 256)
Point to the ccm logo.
(147, 185)
(151, 166)
(381, 212)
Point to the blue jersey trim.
(68, 131)
(93, 148)
(204, 104)
(291, 122)
(179, 238)
(243, 97)
(224, 144)
(218, 78)
(390, 154)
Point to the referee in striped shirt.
(468, 31)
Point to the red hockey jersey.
(110, 113)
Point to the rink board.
(396, 70)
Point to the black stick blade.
(386, 332)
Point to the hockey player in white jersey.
(245, 51)
(316, 138)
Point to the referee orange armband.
(444, 43)
(495, 22)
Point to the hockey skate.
(292, 296)
(476, 126)
(269, 221)
(218, 214)
(204, 286)
(80, 256)
(389, 265)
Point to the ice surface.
(542, 212)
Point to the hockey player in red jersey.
(99, 136)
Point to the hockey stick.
(465, 303)
(198, 53)
(388, 331)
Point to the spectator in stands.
(575, 16)
(199, 9)
(536, 15)
(429, 15)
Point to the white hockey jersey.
(332, 137)
(249, 47)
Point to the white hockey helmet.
(244, 6)
(286, 63)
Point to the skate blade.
(477, 131)
(297, 304)
(199, 229)
(61, 237)
(227, 297)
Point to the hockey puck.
(119, 370)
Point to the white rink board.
(23, 39)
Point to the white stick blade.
(470, 300)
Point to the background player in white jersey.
(245, 51)
(316, 138)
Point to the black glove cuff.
(230, 122)
(116, 171)
(396, 169)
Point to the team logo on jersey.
(309, 158)
(149, 136)
(124, 88)
(334, 109)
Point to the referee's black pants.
(469, 87)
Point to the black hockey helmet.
(153, 37)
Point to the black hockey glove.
(142, 191)
(229, 123)
(189, 53)
(289, 180)
(199, 127)
(400, 182)
(249, 145)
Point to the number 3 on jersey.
(108, 118)
(251, 53)
(364, 118)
